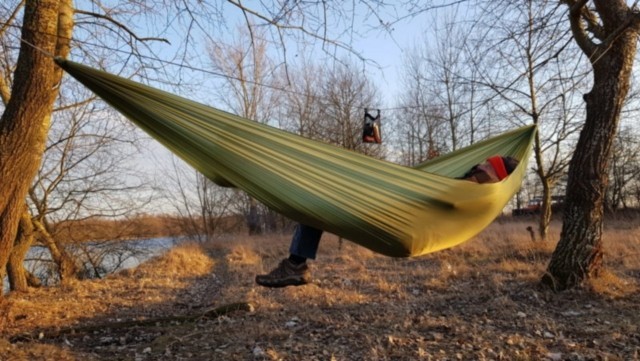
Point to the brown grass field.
(477, 301)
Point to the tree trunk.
(25, 122)
(253, 218)
(545, 210)
(545, 207)
(578, 255)
(18, 280)
(68, 270)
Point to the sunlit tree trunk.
(578, 255)
(68, 269)
(25, 122)
(16, 273)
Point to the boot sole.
(282, 283)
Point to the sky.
(383, 50)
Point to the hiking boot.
(286, 274)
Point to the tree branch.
(280, 26)
(592, 23)
(577, 28)
(120, 25)
(7, 23)
(5, 91)
(75, 105)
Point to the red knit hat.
(498, 165)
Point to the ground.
(477, 301)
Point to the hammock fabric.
(391, 209)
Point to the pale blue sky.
(367, 38)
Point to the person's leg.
(294, 271)
(304, 243)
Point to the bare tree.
(607, 33)
(201, 205)
(53, 191)
(625, 169)
(249, 74)
(445, 98)
(25, 121)
(86, 173)
(328, 103)
(344, 96)
(302, 108)
(529, 45)
(422, 130)
(446, 73)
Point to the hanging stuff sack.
(371, 128)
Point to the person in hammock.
(294, 271)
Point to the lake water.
(109, 256)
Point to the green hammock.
(393, 210)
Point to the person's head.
(493, 170)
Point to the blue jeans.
(305, 241)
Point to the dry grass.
(478, 301)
